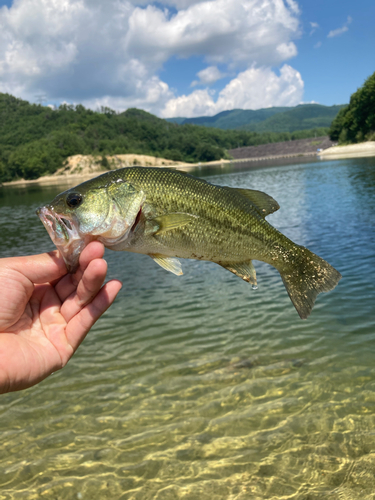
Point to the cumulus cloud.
(73, 50)
(341, 30)
(208, 76)
(252, 89)
(111, 53)
(235, 31)
(148, 95)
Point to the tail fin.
(306, 278)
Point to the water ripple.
(200, 388)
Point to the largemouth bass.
(169, 215)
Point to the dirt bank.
(86, 165)
(78, 168)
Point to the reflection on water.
(198, 387)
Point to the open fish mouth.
(65, 235)
(59, 228)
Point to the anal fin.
(244, 270)
(170, 264)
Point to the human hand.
(46, 313)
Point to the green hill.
(35, 140)
(302, 117)
(278, 119)
(232, 119)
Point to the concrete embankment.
(286, 149)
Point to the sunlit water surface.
(199, 388)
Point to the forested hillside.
(35, 140)
(356, 122)
(282, 119)
(231, 119)
(303, 117)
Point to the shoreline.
(78, 178)
(364, 149)
(67, 178)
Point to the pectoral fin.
(168, 222)
(170, 264)
(244, 270)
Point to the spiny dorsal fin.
(170, 264)
(167, 222)
(264, 202)
(244, 270)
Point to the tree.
(356, 122)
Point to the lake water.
(199, 388)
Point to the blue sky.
(333, 71)
(186, 57)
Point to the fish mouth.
(64, 232)
(59, 228)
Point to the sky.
(186, 58)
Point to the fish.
(169, 215)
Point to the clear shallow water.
(197, 387)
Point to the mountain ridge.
(275, 119)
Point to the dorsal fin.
(264, 202)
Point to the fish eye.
(73, 200)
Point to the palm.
(42, 324)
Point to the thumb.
(42, 268)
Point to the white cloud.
(293, 5)
(147, 95)
(208, 76)
(252, 89)
(286, 50)
(198, 103)
(111, 53)
(337, 32)
(225, 31)
(314, 27)
(317, 45)
(178, 4)
(341, 30)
